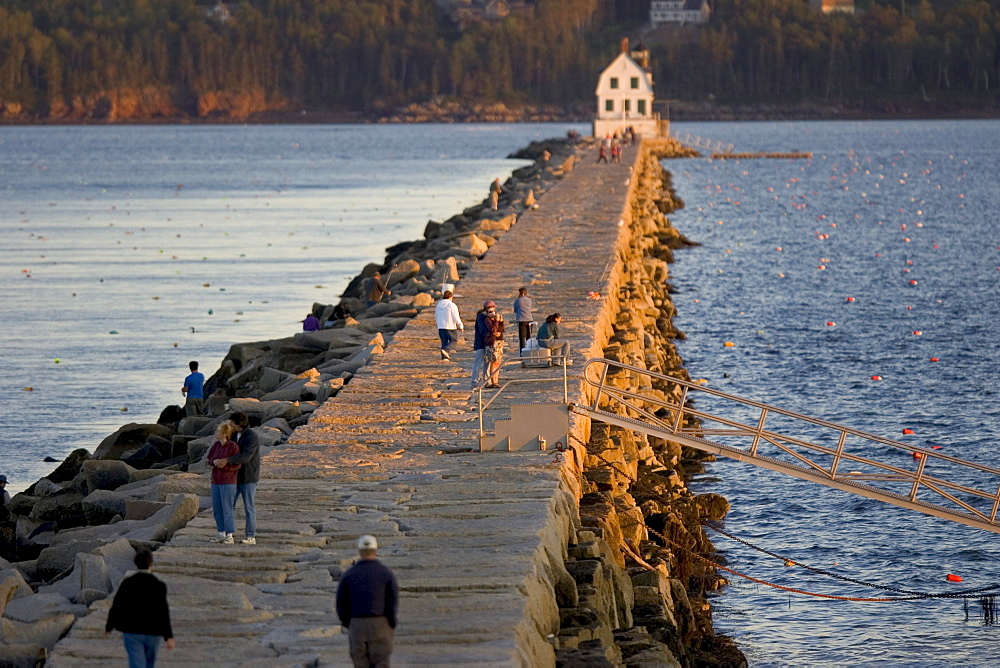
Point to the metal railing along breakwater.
(921, 479)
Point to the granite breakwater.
(365, 431)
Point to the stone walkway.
(477, 540)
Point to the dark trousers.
(371, 640)
(448, 338)
(523, 334)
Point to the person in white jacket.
(449, 323)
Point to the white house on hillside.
(678, 12)
(625, 98)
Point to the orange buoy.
(917, 332)
(934, 359)
(917, 455)
(729, 344)
(913, 282)
(850, 299)
(954, 578)
(935, 447)
(831, 323)
(876, 377)
(908, 431)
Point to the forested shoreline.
(70, 60)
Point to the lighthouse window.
(640, 106)
(628, 105)
(609, 105)
(614, 82)
(635, 82)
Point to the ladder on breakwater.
(827, 453)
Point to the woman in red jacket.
(224, 482)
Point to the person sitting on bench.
(548, 338)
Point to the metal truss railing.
(921, 479)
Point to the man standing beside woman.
(488, 344)
(248, 461)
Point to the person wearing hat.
(367, 600)
(489, 329)
(3, 486)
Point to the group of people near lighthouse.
(489, 331)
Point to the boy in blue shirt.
(194, 390)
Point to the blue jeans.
(223, 502)
(246, 491)
(479, 368)
(141, 649)
(449, 337)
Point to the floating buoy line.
(987, 601)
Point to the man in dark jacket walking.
(249, 473)
(367, 600)
(141, 613)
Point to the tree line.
(367, 55)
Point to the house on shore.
(625, 97)
(679, 12)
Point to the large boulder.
(101, 506)
(45, 632)
(106, 474)
(265, 410)
(12, 585)
(471, 243)
(171, 415)
(402, 272)
(191, 425)
(118, 556)
(58, 507)
(154, 450)
(56, 559)
(129, 437)
(22, 656)
(184, 483)
(30, 609)
(198, 448)
(70, 466)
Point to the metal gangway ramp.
(827, 453)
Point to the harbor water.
(130, 250)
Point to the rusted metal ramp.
(921, 479)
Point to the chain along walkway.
(477, 540)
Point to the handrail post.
(565, 364)
(917, 479)
(836, 457)
(481, 432)
(679, 415)
(600, 387)
(996, 505)
(760, 430)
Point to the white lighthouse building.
(625, 99)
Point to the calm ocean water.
(129, 251)
(879, 205)
(120, 242)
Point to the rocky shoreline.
(643, 597)
(70, 537)
(235, 110)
